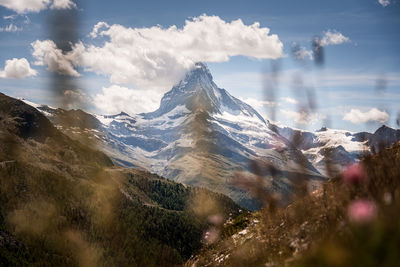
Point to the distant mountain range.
(342, 147)
(200, 135)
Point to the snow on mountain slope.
(332, 137)
(342, 147)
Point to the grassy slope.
(62, 203)
(315, 229)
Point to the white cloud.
(302, 117)
(74, 99)
(159, 57)
(303, 53)
(62, 4)
(115, 99)
(17, 69)
(15, 17)
(258, 104)
(384, 3)
(76, 95)
(333, 38)
(11, 17)
(300, 52)
(97, 27)
(290, 100)
(25, 6)
(10, 28)
(16, 23)
(47, 54)
(373, 115)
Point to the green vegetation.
(238, 223)
(322, 228)
(64, 204)
(125, 230)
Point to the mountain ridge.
(344, 147)
(199, 124)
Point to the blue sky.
(360, 55)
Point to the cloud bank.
(258, 104)
(159, 57)
(10, 28)
(290, 100)
(330, 37)
(115, 99)
(300, 52)
(17, 69)
(47, 54)
(25, 6)
(63, 4)
(333, 38)
(373, 115)
(384, 3)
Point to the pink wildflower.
(354, 174)
(216, 219)
(362, 211)
(211, 235)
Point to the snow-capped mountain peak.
(198, 91)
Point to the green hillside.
(64, 203)
(352, 220)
